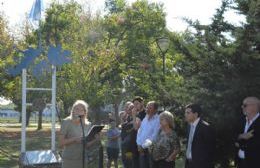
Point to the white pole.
(53, 109)
(23, 135)
(39, 89)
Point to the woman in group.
(71, 135)
(166, 146)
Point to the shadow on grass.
(10, 149)
(36, 140)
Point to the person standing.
(201, 144)
(138, 111)
(147, 133)
(138, 114)
(71, 136)
(166, 145)
(128, 138)
(248, 139)
(113, 135)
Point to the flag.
(36, 12)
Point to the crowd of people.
(148, 139)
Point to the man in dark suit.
(248, 139)
(201, 143)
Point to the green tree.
(7, 83)
(219, 66)
(67, 24)
(132, 34)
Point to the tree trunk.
(28, 115)
(40, 120)
(39, 104)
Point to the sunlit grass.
(10, 145)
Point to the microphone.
(79, 116)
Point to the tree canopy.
(115, 57)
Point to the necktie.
(247, 125)
(188, 152)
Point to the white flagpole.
(53, 109)
(23, 135)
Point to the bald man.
(248, 139)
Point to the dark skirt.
(163, 164)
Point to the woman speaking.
(71, 135)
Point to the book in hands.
(94, 130)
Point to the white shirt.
(241, 153)
(148, 130)
(194, 124)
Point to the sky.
(202, 10)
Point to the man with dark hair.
(138, 114)
(138, 111)
(248, 139)
(138, 98)
(201, 139)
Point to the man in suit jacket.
(248, 139)
(201, 144)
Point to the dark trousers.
(132, 162)
(127, 162)
(144, 159)
(163, 164)
(198, 164)
(189, 164)
(241, 163)
(136, 160)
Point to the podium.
(40, 159)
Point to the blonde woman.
(166, 146)
(70, 137)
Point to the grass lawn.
(10, 146)
(10, 142)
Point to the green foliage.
(133, 33)
(219, 72)
(115, 6)
(6, 50)
(115, 57)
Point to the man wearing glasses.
(248, 139)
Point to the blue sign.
(56, 56)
